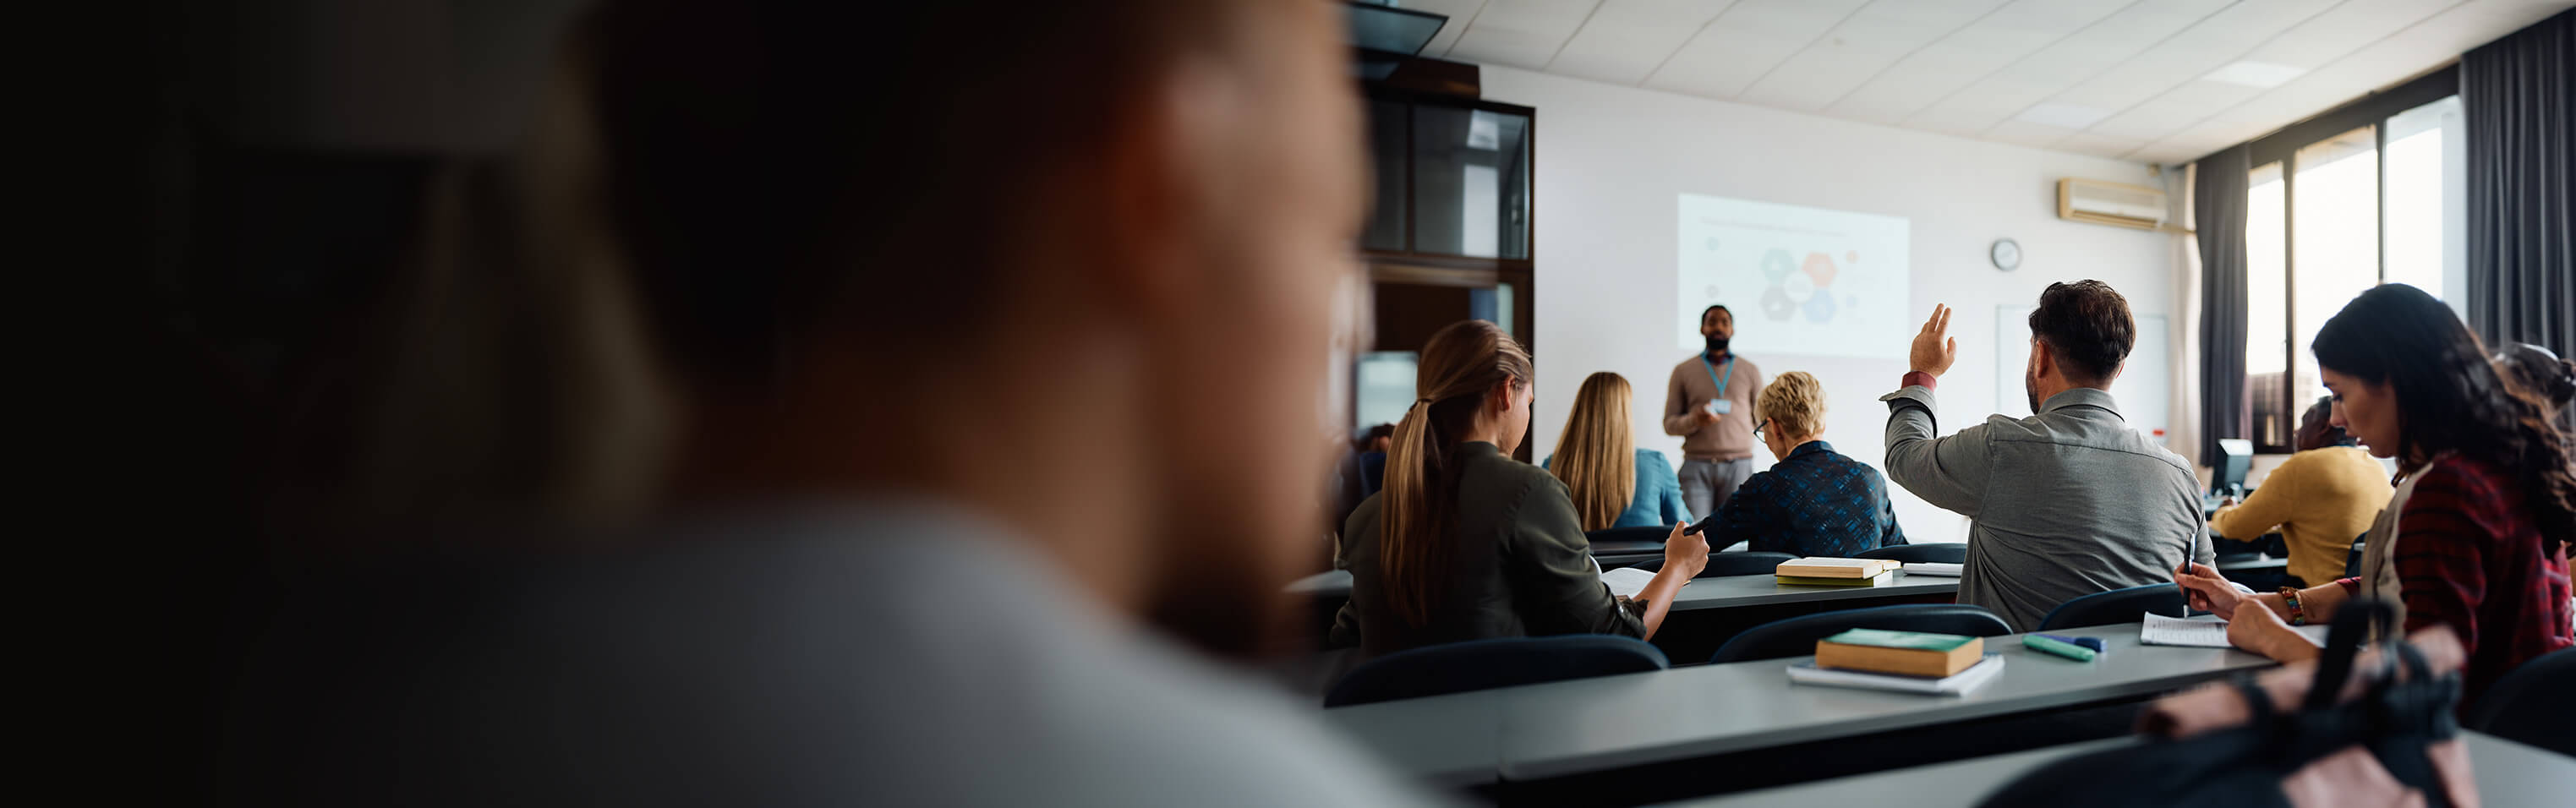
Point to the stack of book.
(1835, 571)
(1899, 660)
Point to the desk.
(1565, 728)
(1452, 740)
(2260, 563)
(1590, 725)
(2509, 775)
(1764, 590)
(1326, 584)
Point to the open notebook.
(2161, 630)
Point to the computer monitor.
(2238, 458)
(1383, 386)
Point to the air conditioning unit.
(2111, 203)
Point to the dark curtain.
(2520, 97)
(2218, 211)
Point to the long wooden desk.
(2508, 774)
(1713, 593)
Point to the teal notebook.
(1910, 640)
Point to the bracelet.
(2290, 596)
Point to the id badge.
(1721, 406)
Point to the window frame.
(2282, 147)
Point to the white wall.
(1611, 160)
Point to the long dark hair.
(2450, 398)
(1460, 364)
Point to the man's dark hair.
(1371, 435)
(1703, 313)
(2087, 327)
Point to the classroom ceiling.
(2156, 81)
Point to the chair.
(1724, 564)
(2532, 704)
(2116, 606)
(1501, 662)
(1943, 553)
(1797, 636)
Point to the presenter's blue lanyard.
(1712, 374)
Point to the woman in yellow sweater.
(2321, 499)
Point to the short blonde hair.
(1795, 404)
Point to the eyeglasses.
(1757, 428)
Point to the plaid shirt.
(2468, 557)
(1815, 502)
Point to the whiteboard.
(2145, 387)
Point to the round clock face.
(2006, 254)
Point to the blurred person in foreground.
(872, 579)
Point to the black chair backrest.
(1501, 662)
(2532, 704)
(1724, 564)
(1650, 533)
(1943, 553)
(2352, 560)
(1797, 636)
(2116, 606)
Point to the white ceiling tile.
(1460, 13)
(2071, 116)
(1627, 39)
(2081, 55)
(2099, 145)
(1747, 41)
(2349, 27)
(2205, 46)
(2010, 33)
(1520, 33)
(1863, 45)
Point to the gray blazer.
(2065, 503)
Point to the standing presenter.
(1710, 405)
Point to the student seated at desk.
(2319, 499)
(1815, 501)
(1466, 543)
(2476, 536)
(2067, 502)
(1614, 483)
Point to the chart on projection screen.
(1799, 280)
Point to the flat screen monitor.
(2239, 459)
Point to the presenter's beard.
(1716, 345)
(2030, 390)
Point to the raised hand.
(1934, 349)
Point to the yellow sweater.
(2321, 500)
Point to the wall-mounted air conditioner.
(2111, 203)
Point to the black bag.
(2403, 723)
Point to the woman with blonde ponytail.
(1465, 543)
(1614, 483)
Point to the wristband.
(2290, 597)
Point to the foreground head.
(2411, 382)
(1596, 455)
(1717, 326)
(1793, 408)
(2079, 336)
(866, 277)
(2317, 429)
(1473, 383)
(2539, 372)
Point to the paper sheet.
(1626, 582)
(2161, 630)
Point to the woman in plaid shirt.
(2476, 538)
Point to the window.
(2366, 194)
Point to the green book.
(1910, 640)
(1800, 580)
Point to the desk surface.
(2255, 564)
(1758, 590)
(1712, 593)
(1564, 728)
(1586, 725)
(2509, 775)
